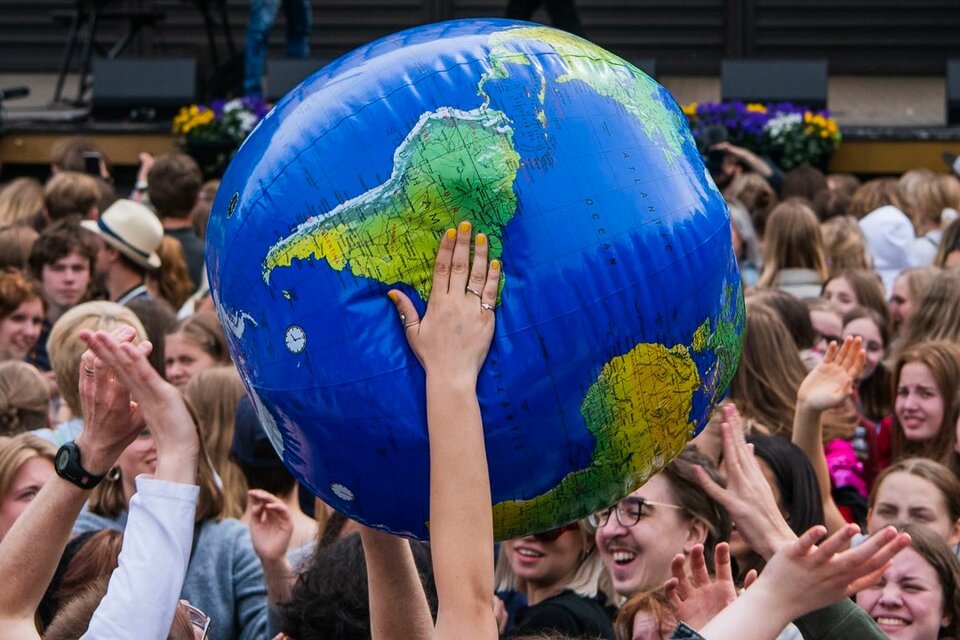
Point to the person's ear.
(697, 531)
(954, 537)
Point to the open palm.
(831, 381)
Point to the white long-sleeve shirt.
(145, 587)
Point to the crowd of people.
(140, 497)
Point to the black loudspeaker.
(953, 91)
(647, 65)
(798, 81)
(143, 88)
(284, 74)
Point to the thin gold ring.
(474, 292)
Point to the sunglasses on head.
(552, 534)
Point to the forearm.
(31, 550)
(755, 615)
(279, 577)
(808, 435)
(461, 518)
(398, 605)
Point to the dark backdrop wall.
(685, 36)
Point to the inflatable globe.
(619, 319)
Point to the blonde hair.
(936, 315)
(24, 398)
(764, 388)
(70, 194)
(935, 195)
(873, 195)
(756, 194)
(16, 451)
(16, 244)
(844, 245)
(909, 184)
(20, 201)
(792, 241)
(214, 394)
(65, 346)
(588, 579)
(172, 280)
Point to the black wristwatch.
(69, 468)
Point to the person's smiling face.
(638, 557)
(907, 602)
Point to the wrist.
(775, 541)
(452, 382)
(95, 458)
(805, 409)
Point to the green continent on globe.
(638, 411)
(602, 71)
(454, 165)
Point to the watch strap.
(69, 467)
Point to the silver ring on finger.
(88, 370)
(486, 307)
(474, 292)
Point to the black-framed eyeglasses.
(629, 511)
(553, 534)
(198, 620)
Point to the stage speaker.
(142, 88)
(798, 81)
(647, 65)
(285, 73)
(953, 91)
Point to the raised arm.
(451, 342)
(747, 496)
(392, 577)
(827, 386)
(803, 577)
(30, 551)
(159, 531)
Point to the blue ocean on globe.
(619, 319)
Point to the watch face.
(62, 459)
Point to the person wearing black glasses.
(550, 581)
(639, 536)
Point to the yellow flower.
(756, 107)
(807, 116)
(690, 110)
(824, 133)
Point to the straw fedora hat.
(132, 229)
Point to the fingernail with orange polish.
(393, 296)
(464, 227)
(481, 239)
(494, 264)
(451, 233)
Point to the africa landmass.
(638, 411)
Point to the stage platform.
(890, 124)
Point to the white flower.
(234, 105)
(782, 123)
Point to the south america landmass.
(454, 165)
